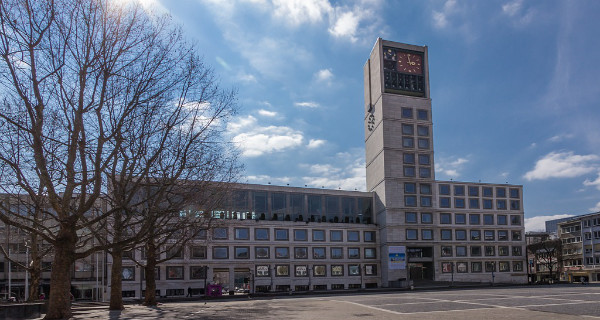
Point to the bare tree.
(74, 76)
(548, 254)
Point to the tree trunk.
(59, 304)
(150, 297)
(36, 270)
(116, 278)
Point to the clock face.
(409, 63)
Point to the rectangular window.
(487, 204)
(490, 251)
(409, 158)
(411, 217)
(262, 252)
(426, 217)
(490, 266)
(411, 234)
(461, 267)
(261, 234)
(282, 234)
(514, 193)
(503, 250)
(515, 205)
(488, 219)
(502, 235)
(410, 201)
(447, 267)
(516, 251)
(220, 253)
(407, 113)
(319, 270)
(445, 189)
(353, 253)
(337, 270)
(516, 235)
(475, 251)
(459, 190)
(301, 271)
(423, 131)
(473, 203)
(488, 235)
(282, 253)
(353, 236)
(197, 272)
(370, 253)
(459, 202)
(460, 234)
(337, 253)
(175, 272)
(502, 220)
(500, 192)
(300, 235)
(446, 251)
(445, 218)
(475, 266)
(262, 271)
(427, 234)
(424, 159)
(127, 273)
(242, 233)
(444, 202)
(473, 191)
(474, 219)
(425, 188)
(282, 270)
(460, 218)
(175, 252)
(318, 253)
(517, 266)
(475, 235)
(423, 143)
(242, 252)
(446, 234)
(220, 233)
(487, 192)
(501, 204)
(408, 129)
(198, 252)
(410, 187)
(301, 253)
(336, 235)
(371, 269)
(461, 251)
(369, 236)
(318, 235)
(422, 114)
(408, 142)
(425, 201)
(409, 171)
(424, 172)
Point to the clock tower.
(399, 156)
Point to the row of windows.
(474, 203)
(461, 218)
(474, 191)
(407, 113)
(409, 129)
(475, 251)
(264, 234)
(591, 222)
(335, 270)
(478, 267)
(298, 253)
(475, 235)
(411, 171)
(423, 159)
(172, 273)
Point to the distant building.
(580, 236)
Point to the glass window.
(314, 206)
(410, 187)
(475, 235)
(426, 217)
(242, 252)
(337, 270)
(515, 205)
(301, 253)
(242, 233)
(409, 171)
(424, 159)
(475, 266)
(220, 233)
(353, 236)
(461, 251)
(488, 219)
(262, 252)
(300, 234)
(319, 270)
(297, 207)
(473, 203)
(282, 253)
(423, 143)
(353, 253)
(337, 253)
(445, 189)
(261, 234)
(318, 235)
(424, 172)
(409, 158)
(370, 253)
(514, 193)
(488, 235)
(502, 219)
(444, 202)
(445, 218)
(461, 234)
(516, 235)
(446, 251)
(175, 252)
(515, 220)
(410, 201)
(282, 234)
(516, 251)
(518, 266)
(504, 266)
(502, 235)
(408, 142)
(474, 219)
(502, 250)
(475, 251)
(425, 188)
(501, 204)
(411, 234)
(282, 270)
(423, 131)
(460, 218)
(318, 253)
(198, 252)
(500, 192)
(175, 272)
(422, 114)
(487, 191)
(369, 236)
(407, 113)
(459, 190)
(197, 272)
(408, 129)
(127, 273)
(278, 205)
(459, 202)
(427, 234)
(473, 191)
(336, 235)
(487, 204)
(425, 201)
(411, 217)
(446, 234)
(301, 271)
(220, 253)
(461, 267)
(490, 266)
(447, 267)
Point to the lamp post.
(9, 275)
(26, 270)
(361, 270)
(310, 268)
(205, 277)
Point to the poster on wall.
(397, 257)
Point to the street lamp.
(26, 270)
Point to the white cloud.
(440, 18)
(246, 77)
(346, 171)
(539, 223)
(345, 26)
(297, 12)
(267, 113)
(450, 167)
(315, 143)
(596, 208)
(562, 165)
(595, 183)
(254, 140)
(306, 104)
(561, 137)
(324, 75)
(265, 179)
(512, 8)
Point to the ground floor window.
(371, 285)
(301, 288)
(339, 286)
(320, 287)
(128, 293)
(282, 288)
(263, 288)
(175, 292)
(354, 286)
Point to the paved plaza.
(530, 303)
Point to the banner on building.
(397, 257)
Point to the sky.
(514, 89)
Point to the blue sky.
(514, 88)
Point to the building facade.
(580, 238)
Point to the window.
(337, 270)
(445, 189)
(198, 252)
(410, 188)
(445, 218)
(461, 251)
(407, 113)
(261, 234)
(422, 114)
(446, 234)
(220, 253)
(220, 233)
(447, 267)
(242, 252)
(318, 235)
(282, 270)
(301, 271)
(424, 159)
(262, 271)
(500, 192)
(444, 202)
(301, 253)
(353, 253)
(319, 270)
(425, 188)
(475, 235)
(461, 267)
(501, 204)
(261, 252)
(371, 269)
(201, 235)
(487, 192)
(460, 234)
(516, 251)
(473, 191)
(408, 129)
(409, 171)
(408, 142)
(370, 253)
(336, 235)
(488, 235)
(474, 219)
(459, 202)
(501, 220)
(515, 205)
(514, 193)
(281, 234)
(197, 272)
(411, 234)
(318, 253)
(424, 172)
(410, 201)
(459, 190)
(127, 273)
(282, 253)
(427, 234)
(369, 236)
(490, 266)
(518, 266)
(175, 272)
(460, 218)
(423, 143)
(409, 158)
(446, 251)
(411, 217)
(426, 217)
(503, 250)
(502, 235)
(487, 204)
(337, 253)
(490, 251)
(353, 236)
(300, 235)
(475, 266)
(473, 203)
(423, 131)
(242, 233)
(516, 235)
(488, 219)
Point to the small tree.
(548, 254)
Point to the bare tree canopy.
(96, 96)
